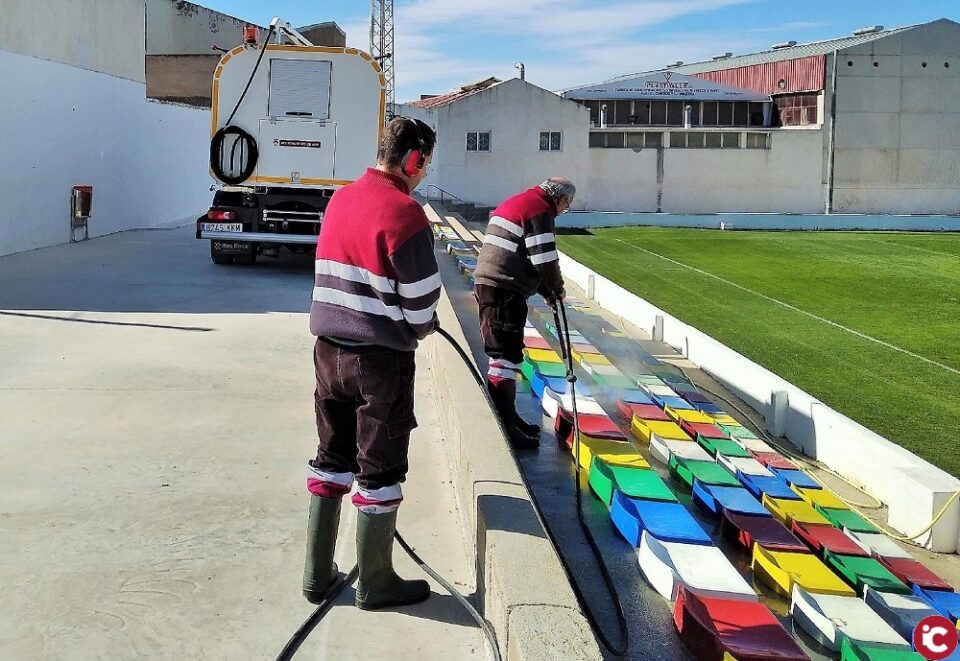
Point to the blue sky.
(442, 44)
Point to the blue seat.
(665, 521)
(718, 499)
(945, 603)
(677, 403)
(764, 484)
(797, 478)
(708, 408)
(631, 396)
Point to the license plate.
(222, 227)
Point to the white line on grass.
(796, 309)
(907, 245)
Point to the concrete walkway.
(156, 415)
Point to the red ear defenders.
(414, 159)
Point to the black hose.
(244, 140)
(326, 603)
(616, 650)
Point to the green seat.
(861, 572)
(687, 470)
(632, 482)
(853, 650)
(552, 370)
(724, 446)
(847, 519)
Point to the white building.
(890, 144)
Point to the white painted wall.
(99, 35)
(147, 161)
(898, 123)
(914, 489)
(185, 28)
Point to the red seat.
(745, 530)
(821, 537)
(746, 630)
(703, 429)
(913, 572)
(773, 460)
(644, 411)
(536, 343)
(591, 424)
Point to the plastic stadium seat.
(853, 650)
(613, 381)
(644, 410)
(878, 544)
(797, 478)
(821, 498)
(536, 342)
(724, 445)
(552, 370)
(773, 460)
(694, 396)
(745, 531)
(584, 347)
(662, 450)
(658, 389)
(782, 570)
(542, 355)
(743, 466)
(591, 424)
(592, 358)
(753, 444)
(718, 500)
(714, 629)
(774, 487)
(644, 429)
(708, 407)
(538, 383)
(739, 432)
(844, 518)
(788, 511)
(708, 472)
(615, 453)
(552, 403)
(686, 415)
(830, 619)
(913, 572)
(605, 479)
(724, 419)
(631, 396)
(902, 612)
(707, 430)
(672, 402)
(827, 538)
(861, 572)
(703, 570)
(649, 380)
(668, 522)
(945, 603)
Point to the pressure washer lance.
(566, 353)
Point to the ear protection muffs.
(414, 159)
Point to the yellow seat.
(781, 570)
(724, 419)
(694, 417)
(820, 497)
(642, 430)
(787, 511)
(542, 355)
(613, 453)
(592, 358)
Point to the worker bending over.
(375, 296)
(518, 259)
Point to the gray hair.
(559, 188)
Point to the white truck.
(291, 123)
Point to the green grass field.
(872, 328)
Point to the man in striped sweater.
(518, 259)
(375, 295)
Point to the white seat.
(829, 619)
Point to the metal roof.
(456, 95)
(779, 55)
(664, 85)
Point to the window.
(478, 141)
(797, 109)
(612, 140)
(300, 88)
(708, 140)
(628, 139)
(551, 140)
(758, 140)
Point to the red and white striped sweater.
(377, 280)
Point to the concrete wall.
(147, 161)
(186, 79)
(898, 123)
(787, 178)
(175, 27)
(762, 221)
(97, 35)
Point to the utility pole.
(382, 47)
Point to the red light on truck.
(215, 214)
(250, 33)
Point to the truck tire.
(219, 258)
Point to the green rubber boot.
(379, 586)
(319, 570)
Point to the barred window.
(551, 140)
(478, 140)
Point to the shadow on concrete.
(151, 271)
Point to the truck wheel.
(218, 257)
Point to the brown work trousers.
(364, 407)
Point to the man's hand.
(556, 299)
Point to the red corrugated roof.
(456, 95)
